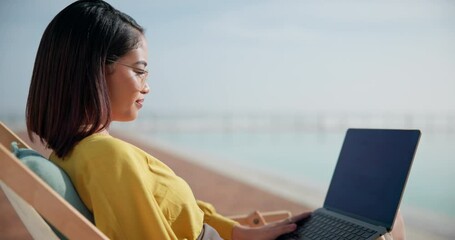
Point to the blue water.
(312, 158)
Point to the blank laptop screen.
(371, 173)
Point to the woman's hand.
(275, 229)
(269, 231)
(398, 231)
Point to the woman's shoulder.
(100, 140)
(105, 147)
(97, 143)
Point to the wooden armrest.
(257, 218)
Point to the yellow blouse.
(134, 195)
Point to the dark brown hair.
(68, 98)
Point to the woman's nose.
(145, 89)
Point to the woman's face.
(124, 78)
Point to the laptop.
(366, 187)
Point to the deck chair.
(32, 197)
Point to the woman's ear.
(109, 68)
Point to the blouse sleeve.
(121, 198)
(222, 224)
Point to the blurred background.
(272, 86)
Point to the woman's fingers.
(292, 219)
(301, 216)
(285, 229)
(274, 231)
(286, 225)
(270, 231)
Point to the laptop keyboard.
(322, 226)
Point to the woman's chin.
(126, 118)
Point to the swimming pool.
(312, 157)
(309, 159)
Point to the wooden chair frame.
(19, 183)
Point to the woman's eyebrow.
(141, 62)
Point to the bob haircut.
(68, 98)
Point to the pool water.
(311, 157)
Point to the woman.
(90, 70)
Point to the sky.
(268, 56)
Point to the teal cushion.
(54, 176)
